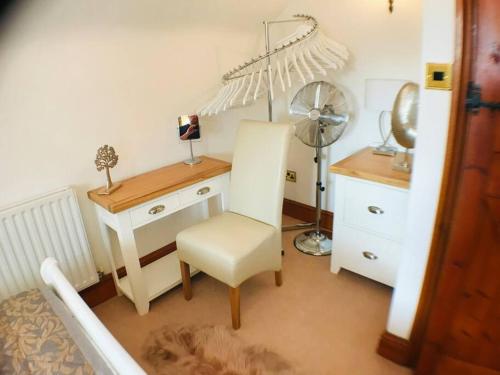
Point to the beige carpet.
(322, 323)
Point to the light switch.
(438, 76)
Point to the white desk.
(144, 199)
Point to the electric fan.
(324, 113)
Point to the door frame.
(451, 173)
(394, 348)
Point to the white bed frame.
(111, 351)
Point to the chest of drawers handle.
(369, 255)
(375, 210)
(156, 209)
(203, 190)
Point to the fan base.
(313, 243)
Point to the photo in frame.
(189, 130)
(189, 127)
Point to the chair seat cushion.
(231, 247)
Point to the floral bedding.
(33, 339)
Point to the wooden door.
(463, 331)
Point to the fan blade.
(303, 102)
(306, 131)
(330, 134)
(317, 96)
(333, 119)
(327, 94)
(301, 106)
(325, 137)
(324, 111)
(299, 111)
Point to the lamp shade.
(381, 93)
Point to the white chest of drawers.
(370, 209)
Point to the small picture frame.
(189, 130)
(189, 127)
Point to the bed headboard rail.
(111, 350)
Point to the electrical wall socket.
(291, 176)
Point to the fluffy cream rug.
(210, 350)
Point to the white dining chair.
(246, 239)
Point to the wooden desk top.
(153, 184)
(368, 166)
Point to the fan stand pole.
(319, 189)
(315, 242)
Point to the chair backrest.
(259, 170)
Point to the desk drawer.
(153, 210)
(200, 191)
(366, 254)
(376, 208)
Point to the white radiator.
(47, 226)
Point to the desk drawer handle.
(369, 255)
(375, 210)
(156, 209)
(203, 190)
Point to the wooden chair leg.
(278, 278)
(234, 296)
(186, 280)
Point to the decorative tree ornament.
(106, 158)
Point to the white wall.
(382, 45)
(75, 75)
(78, 74)
(437, 46)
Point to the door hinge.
(473, 102)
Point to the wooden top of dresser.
(368, 166)
(144, 187)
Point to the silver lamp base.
(313, 243)
(192, 161)
(402, 162)
(385, 150)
